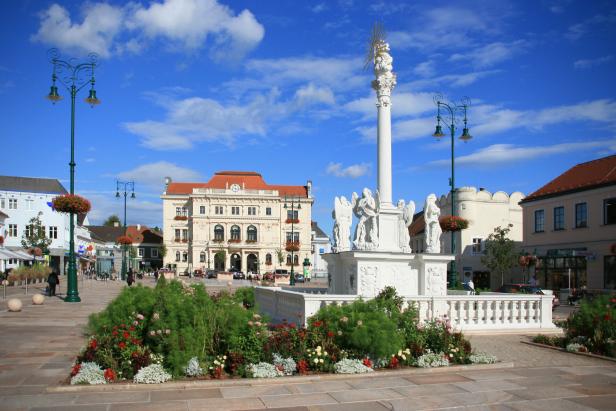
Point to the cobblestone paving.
(38, 345)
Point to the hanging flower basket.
(35, 251)
(71, 203)
(292, 246)
(527, 260)
(292, 221)
(124, 240)
(453, 223)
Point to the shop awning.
(23, 255)
(6, 254)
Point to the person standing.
(53, 280)
(130, 277)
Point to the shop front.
(563, 269)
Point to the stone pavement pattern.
(38, 346)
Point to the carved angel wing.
(377, 200)
(409, 212)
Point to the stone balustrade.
(494, 312)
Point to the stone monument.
(380, 254)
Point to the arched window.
(202, 257)
(268, 259)
(219, 232)
(235, 233)
(289, 259)
(251, 233)
(296, 259)
(185, 256)
(177, 256)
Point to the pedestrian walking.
(53, 280)
(130, 277)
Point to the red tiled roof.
(247, 179)
(418, 225)
(584, 176)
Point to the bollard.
(26, 285)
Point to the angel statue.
(366, 209)
(433, 227)
(343, 218)
(405, 218)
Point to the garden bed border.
(586, 354)
(296, 379)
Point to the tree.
(34, 236)
(112, 220)
(500, 252)
(162, 251)
(279, 256)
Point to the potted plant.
(453, 223)
(71, 203)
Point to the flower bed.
(453, 223)
(591, 329)
(71, 203)
(178, 331)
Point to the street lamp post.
(452, 110)
(295, 204)
(125, 187)
(73, 76)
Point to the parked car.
(238, 275)
(527, 289)
(211, 274)
(299, 277)
(198, 274)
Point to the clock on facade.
(235, 188)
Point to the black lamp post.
(452, 111)
(294, 205)
(126, 186)
(74, 77)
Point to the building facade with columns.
(236, 221)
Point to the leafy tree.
(162, 250)
(500, 252)
(35, 237)
(279, 256)
(112, 220)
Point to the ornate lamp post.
(452, 111)
(125, 187)
(294, 205)
(74, 76)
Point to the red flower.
(93, 344)
(126, 335)
(131, 328)
(607, 317)
(393, 363)
(292, 325)
(317, 323)
(330, 334)
(114, 333)
(75, 369)
(302, 366)
(122, 345)
(367, 362)
(110, 375)
(71, 203)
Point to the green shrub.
(245, 296)
(596, 321)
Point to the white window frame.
(481, 246)
(141, 252)
(53, 232)
(202, 210)
(13, 204)
(268, 211)
(12, 230)
(154, 252)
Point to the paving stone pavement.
(38, 346)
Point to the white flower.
(152, 374)
(224, 357)
(152, 333)
(319, 348)
(135, 322)
(156, 316)
(403, 357)
(325, 353)
(339, 332)
(359, 323)
(140, 317)
(167, 331)
(321, 360)
(159, 332)
(316, 360)
(399, 353)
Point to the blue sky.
(191, 87)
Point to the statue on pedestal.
(343, 218)
(405, 218)
(433, 226)
(366, 232)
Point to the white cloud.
(352, 171)
(425, 69)
(592, 24)
(586, 64)
(404, 104)
(490, 54)
(452, 80)
(96, 33)
(311, 94)
(139, 211)
(186, 24)
(319, 8)
(153, 174)
(498, 154)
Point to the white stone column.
(383, 85)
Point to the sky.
(191, 87)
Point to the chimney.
(116, 224)
(309, 188)
(138, 227)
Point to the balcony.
(180, 218)
(292, 246)
(292, 221)
(235, 240)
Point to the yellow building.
(236, 221)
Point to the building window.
(559, 218)
(268, 259)
(296, 259)
(184, 235)
(202, 257)
(235, 210)
(477, 246)
(181, 211)
(219, 233)
(609, 211)
(289, 259)
(184, 256)
(53, 232)
(218, 210)
(293, 236)
(252, 210)
(12, 230)
(539, 221)
(29, 204)
(12, 204)
(177, 234)
(251, 233)
(141, 252)
(235, 233)
(268, 211)
(201, 209)
(292, 214)
(29, 230)
(609, 267)
(177, 256)
(2, 203)
(178, 211)
(581, 215)
(155, 252)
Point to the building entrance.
(252, 263)
(236, 262)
